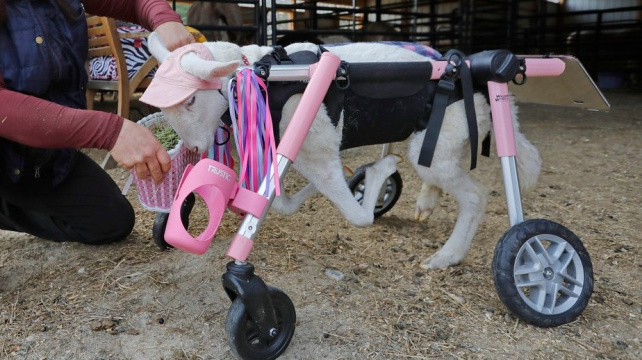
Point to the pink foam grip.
(246, 201)
(240, 248)
(214, 182)
(544, 67)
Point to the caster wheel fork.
(260, 323)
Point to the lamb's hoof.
(421, 215)
(440, 260)
(347, 172)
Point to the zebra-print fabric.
(135, 51)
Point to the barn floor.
(132, 301)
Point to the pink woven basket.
(159, 197)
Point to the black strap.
(280, 55)
(445, 90)
(456, 70)
(469, 106)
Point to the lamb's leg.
(426, 201)
(471, 198)
(319, 161)
(327, 175)
(288, 205)
(376, 176)
(447, 173)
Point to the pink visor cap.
(172, 85)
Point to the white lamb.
(196, 119)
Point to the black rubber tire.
(160, 222)
(158, 230)
(503, 266)
(394, 181)
(243, 337)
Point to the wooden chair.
(104, 40)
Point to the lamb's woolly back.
(224, 51)
(363, 52)
(227, 53)
(374, 52)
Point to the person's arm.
(155, 15)
(40, 123)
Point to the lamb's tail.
(529, 162)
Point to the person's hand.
(137, 148)
(174, 35)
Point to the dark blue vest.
(43, 54)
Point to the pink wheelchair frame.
(260, 323)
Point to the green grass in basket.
(166, 136)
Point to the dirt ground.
(132, 301)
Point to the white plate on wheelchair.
(574, 88)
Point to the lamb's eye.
(191, 101)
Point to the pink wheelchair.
(541, 270)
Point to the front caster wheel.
(542, 273)
(160, 222)
(243, 337)
(388, 196)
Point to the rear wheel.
(542, 273)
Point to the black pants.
(86, 207)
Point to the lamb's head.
(188, 87)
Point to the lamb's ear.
(156, 47)
(207, 69)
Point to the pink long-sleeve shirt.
(21, 115)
